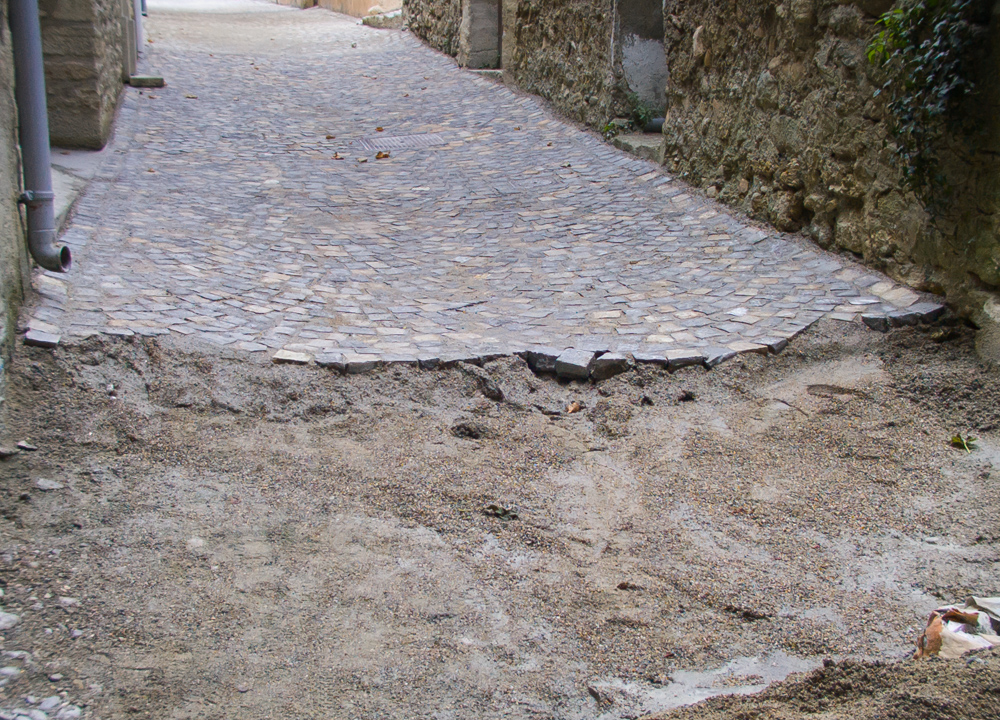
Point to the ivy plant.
(928, 50)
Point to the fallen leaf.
(406, 94)
(574, 407)
(361, 160)
(338, 156)
(331, 137)
(966, 443)
(517, 127)
(381, 155)
(379, 129)
(191, 97)
(549, 145)
(500, 512)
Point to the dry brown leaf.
(338, 156)
(331, 137)
(381, 155)
(361, 160)
(379, 129)
(574, 407)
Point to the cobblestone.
(232, 211)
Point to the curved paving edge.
(568, 363)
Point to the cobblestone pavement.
(244, 205)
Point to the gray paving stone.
(331, 360)
(39, 338)
(650, 358)
(291, 357)
(715, 356)
(878, 322)
(899, 318)
(684, 357)
(542, 360)
(574, 364)
(609, 365)
(928, 311)
(355, 364)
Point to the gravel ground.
(237, 539)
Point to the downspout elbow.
(42, 232)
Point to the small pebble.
(45, 484)
(55, 677)
(50, 703)
(70, 712)
(10, 671)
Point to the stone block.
(715, 356)
(290, 357)
(650, 358)
(40, 338)
(331, 360)
(928, 311)
(879, 323)
(683, 357)
(574, 364)
(774, 344)
(146, 81)
(899, 318)
(452, 359)
(542, 360)
(355, 364)
(609, 365)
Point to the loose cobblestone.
(233, 211)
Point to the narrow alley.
(243, 205)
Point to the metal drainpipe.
(33, 119)
(138, 13)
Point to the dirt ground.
(228, 538)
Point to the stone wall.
(771, 107)
(568, 51)
(436, 22)
(564, 50)
(84, 44)
(13, 250)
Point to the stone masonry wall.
(84, 46)
(13, 250)
(563, 50)
(436, 22)
(567, 51)
(771, 108)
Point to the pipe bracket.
(29, 196)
